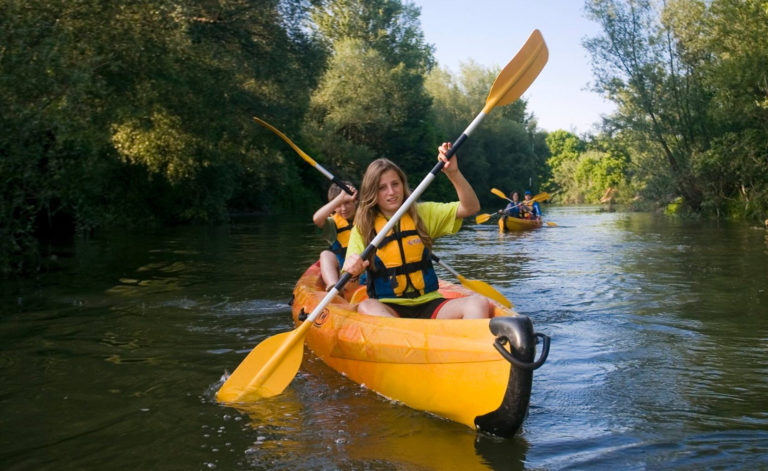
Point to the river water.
(659, 354)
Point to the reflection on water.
(355, 428)
(658, 357)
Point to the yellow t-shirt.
(439, 219)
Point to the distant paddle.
(481, 218)
(272, 364)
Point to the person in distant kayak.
(513, 207)
(401, 281)
(530, 209)
(336, 216)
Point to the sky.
(490, 32)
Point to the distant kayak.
(509, 224)
(451, 368)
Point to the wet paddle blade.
(282, 136)
(499, 193)
(551, 224)
(481, 287)
(252, 380)
(481, 218)
(519, 73)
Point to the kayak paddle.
(272, 364)
(477, 286)
(481, 218)
(304, 156)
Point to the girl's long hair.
(367, 210)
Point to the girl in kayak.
(401, 280)
(338, 214)
(513, 207)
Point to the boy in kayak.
(530, 209)
(513, 207)
(401, 280)
(338, 213)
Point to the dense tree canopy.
(139, 112)
(690, 81)
(134, 114)
(506, 152)
(371, 100)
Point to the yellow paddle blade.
(551, 224)
(541, 197)
(499, 193)
(480, 287)
(267, 370)
(519, 73)
(301, 153)
(481, 218)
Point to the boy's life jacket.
(343, 231)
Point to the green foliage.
(505, 152)
(582, 172)
(389, 27)
(139, 113)
(563, 146)
(689, 79)
(371, 101)
(660, 98)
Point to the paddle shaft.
(446, 266)
(333, 178)
(506, 211)
(305, 156)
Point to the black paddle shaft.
(341, 185)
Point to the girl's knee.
(482, 307)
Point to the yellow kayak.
(509, 224)
(462, 370)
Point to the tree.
(563, 145)
(505, 152)
(140, 112)
(371, 100)
(689, 79)
(660, 98)
(387, 26)
(728, 42)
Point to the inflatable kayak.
(477, 372)
(509, 224)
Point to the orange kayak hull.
(449, 368)
(512, 224)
